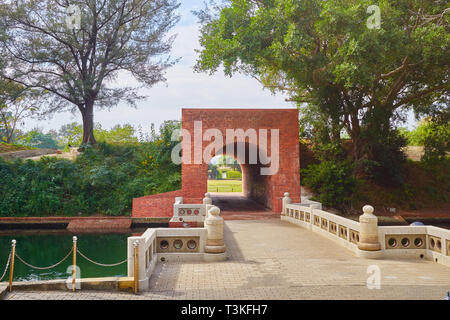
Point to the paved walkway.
(234, 206)
(271, 259)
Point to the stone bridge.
(268, 243)
(307, 254)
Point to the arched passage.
(264, 182)
(255, 186)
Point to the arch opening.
(250, 196)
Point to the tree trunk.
(88, 125)
(355, 135)
(358, 148)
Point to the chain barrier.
(58, 263)
(6, 268)
(101, 264)
(44, 268)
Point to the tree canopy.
(76, 49)
(352, 75)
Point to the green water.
(45, 249)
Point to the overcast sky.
(183, 89)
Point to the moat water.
(45, 248)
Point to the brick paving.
(271, 259)
(235, 206)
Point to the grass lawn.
(224, 186)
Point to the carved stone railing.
(366, 239)
(428, 242)
(177, 244)
(193, 214)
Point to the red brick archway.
(265, 189)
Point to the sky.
(184, 88)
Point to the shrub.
(234, 174)
(220, 173)
(332, 181)
(386, 162)
(103, 180)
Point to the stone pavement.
(234, 206)
(271, 259)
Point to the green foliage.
(117, 134)
(16, 104)
(212, 172)
(103, 180)
(220, 173)
(437, 141)
(338, 70)
(434, 134)
(37, 139)
(415, 137)
(332, 181)
(72, 134)
(425, 185)
(234, 174)
(385, 160)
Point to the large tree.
(76, 49)
(354, 73)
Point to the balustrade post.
(368, 232)
(136, 266)
(214, 226)
(286, 200)
(74, 267)
(11, 270)
(178, 200)
(207, 199)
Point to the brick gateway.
(265, 189)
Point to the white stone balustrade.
(366, 239)
(183, 212)
(158, 245)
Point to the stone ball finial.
(368, 209)
(215, 211)
(13, 242)
(207, 195)
(286, 194)
(74, 239)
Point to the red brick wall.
(79, 225)
(267, 190)
(159, 205)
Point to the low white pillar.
(214, 227)
(368, 232)
(207, 199)
(178, 200)
(286, 200)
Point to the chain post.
(136, 267)
(11, 271)
(74, 269)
